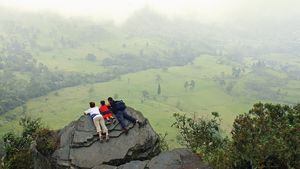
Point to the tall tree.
(186, 85)
(192, 85)
(158, 78)
(158, 90)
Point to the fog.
(201, 10)
(158, 56)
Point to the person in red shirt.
(106, 113)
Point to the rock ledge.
(80, 148)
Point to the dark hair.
(102, 102)
(110, 99)
(92, 104)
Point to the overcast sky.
(119, 10)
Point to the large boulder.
(80, 146)
(175, 159)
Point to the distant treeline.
(125, 63)
(23, 78)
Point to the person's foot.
(101, 139)
(125, 130)
(141, 124)
(106, 138)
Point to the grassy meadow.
(60, 107)
(225, 82)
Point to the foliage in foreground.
(163, 144)
(268, 136)
(17, 147)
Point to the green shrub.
(46, 141)
(17, 152)
(268, 136)
(163, 144)
(22, 160)
(198, 134)
(30, 126)
(17, 148)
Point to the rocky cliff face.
(80, 149)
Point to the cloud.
(120, 10)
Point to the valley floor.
(140, 91)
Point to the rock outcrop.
(175, 159)
(80, 148)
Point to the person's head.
(92, 104)
(110, 100)
(102, 102)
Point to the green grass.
(73, 59)
(58, 111)
(58, 108)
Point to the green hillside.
(139, 90)
(51, 67)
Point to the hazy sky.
(119, 10)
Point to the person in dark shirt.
(121, 115)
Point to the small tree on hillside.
(192, 84)
(165, 69)
(91, 57)
(158, 78)
(186, 85)
(145, 94)
(158, 90)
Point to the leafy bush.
(17, 148)
(91, 57)
(46, 141)
(21, 160)
(203, 137)
(13, 144)
(163, 144)
(30, 126)
(266, 137)
(199, 134)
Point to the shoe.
(101, 139)
(125, 131)
(106, 138)
(141, 124)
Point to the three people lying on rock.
(104, 113)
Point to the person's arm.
(86, 112)
(113, 108)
